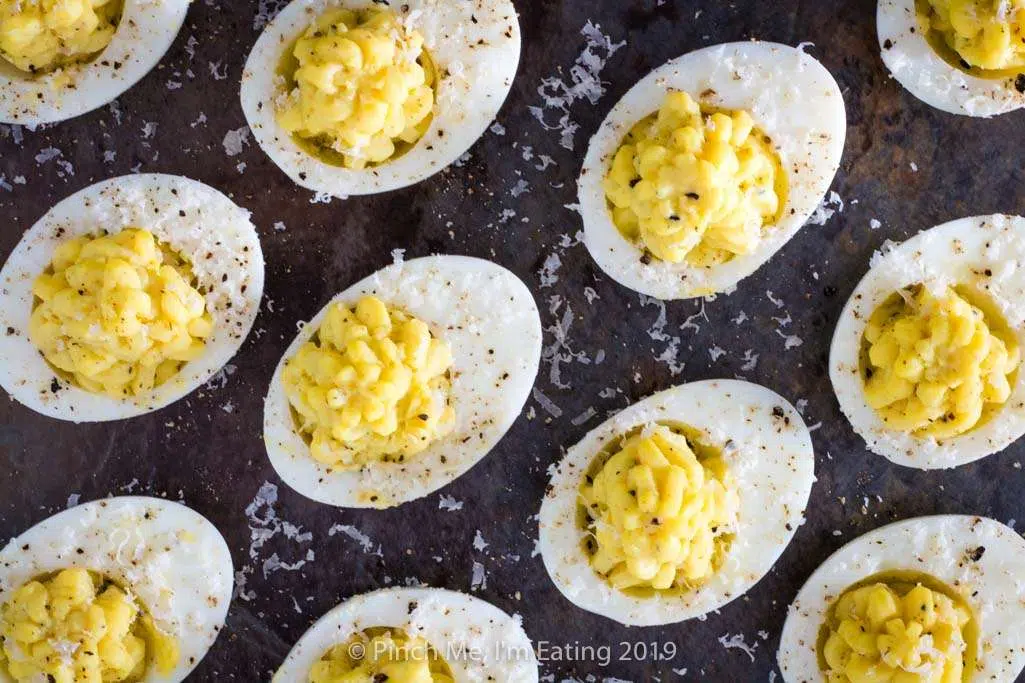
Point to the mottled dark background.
(212, 459)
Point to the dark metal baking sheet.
(207, 450)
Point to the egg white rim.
(138, 542)
(943, 546)
(773, 484)
(455, 624)
(196, 220)
(476, 47)
(923, 73)
(955, 253)
(143, 35)
(459, 298)
(804, 116)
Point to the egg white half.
(475, 45)
(145, 32)
(480, 641)
(944, 546)
(958, 252)
(203, 225)
(488, 317)
(167, 555)
(916, 65)
(773, 464)
(791, 97)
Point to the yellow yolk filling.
(372, 386)
(118, 314)
(360, 87)
(382, 654)
(985, 34)
(896, 633)
(660, 518)
(40, 35)
(77, 627)
(935, 364)
(694, 186)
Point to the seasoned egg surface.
(925, 358)
(63, 61)
(679, 504)
(37, 37)
(473, 639)
(373, 98)
(957, 581)
(126, 296)
(402, 382)
(164, 558)
(960, 56)
(708, 166)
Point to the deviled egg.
(926, 599)
(354, 97)
(961, 56)
(708, 166)
(402, 382)
(122, 589)
(60, 60)
(126, 296)
(679, 504)
(412, 634)
(925, 357)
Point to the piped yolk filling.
(372, 386)
(359, 88)
(382, 654)
(78, 627)
(695, 185)
(983, 35)
(897, 632)
(37, 36)
(118, 314)
(935, 364)
(660, 518)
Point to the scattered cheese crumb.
(235, 141)
(449, 504)
(737, 642)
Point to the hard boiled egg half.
(60, 60)
(708, 166)
(412, 634)
(961, 56)
(679, 504)
(126, 296)
(925, 358)
(358, 97)
(136, 588)
(927, 599)
(402, 382)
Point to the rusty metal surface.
(207, 450)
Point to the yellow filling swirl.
(118, 314)
(882, 633)
(382, 654)
(359, 87)
(372, 386)
(659, 517)
(695, 186)
(934, 364)
(985, 34)
(77, 627)
(40, 35)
